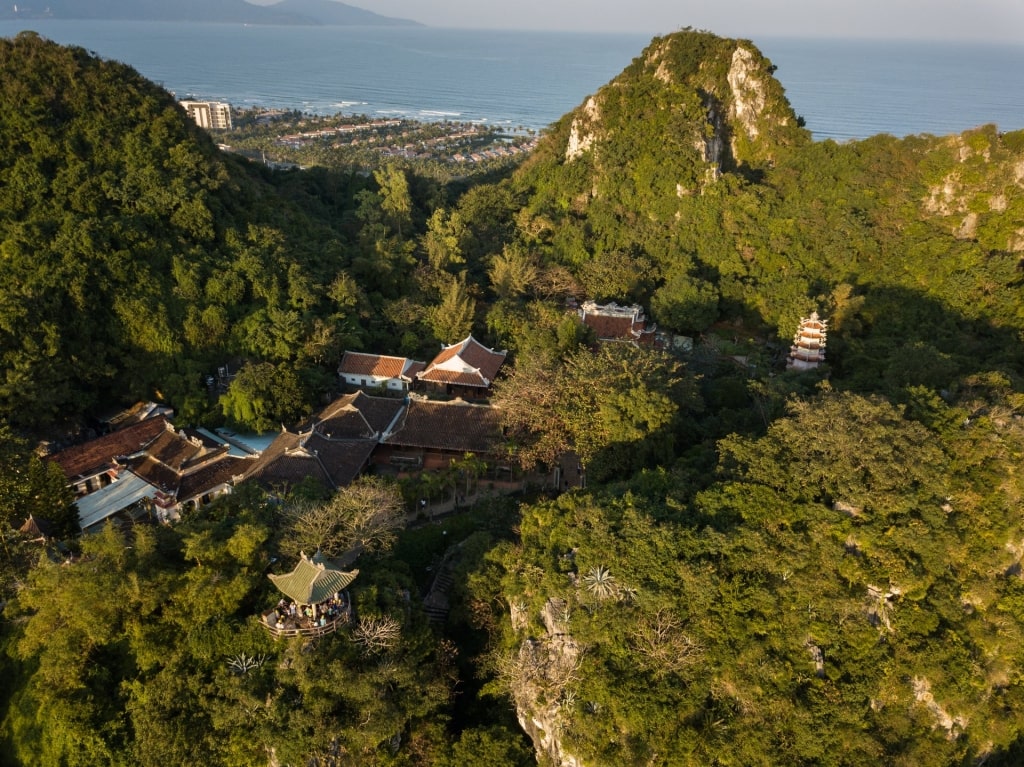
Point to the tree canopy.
(765, 566)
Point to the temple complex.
(808, 350)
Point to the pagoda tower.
(808, 350)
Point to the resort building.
(212, 115)
(808, 350)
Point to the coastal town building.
(808, 349)
(212, 115)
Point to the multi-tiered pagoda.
(808, 350)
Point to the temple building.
(808, 350)
(611, 322)
(465, 369)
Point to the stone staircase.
(435, 603)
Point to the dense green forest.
(766, 566)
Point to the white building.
(378, 370)
(212, 115)
(808, 349)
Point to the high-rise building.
(212, 115)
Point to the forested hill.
(823, 568)
(136, 255)
(754, 565)
(688, 184)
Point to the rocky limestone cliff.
(712, 105)
(982, 183)
(582, 132)
(541, 675)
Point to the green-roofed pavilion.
(313, 580)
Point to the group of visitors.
(289, 615)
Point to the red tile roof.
(92, 457)
(379, 365)
(613, 322)
(467, 363)
(609, 327)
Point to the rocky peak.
(749, 93)
(693, 105)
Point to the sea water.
(844, 89)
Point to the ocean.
(844, 89)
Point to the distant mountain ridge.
(290, 12)
(332, 12)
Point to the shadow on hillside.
(899, 338)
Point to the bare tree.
(662, 644)
(376, 634)
(365, 515)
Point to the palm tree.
(600, 582)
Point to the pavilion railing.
(269, 622)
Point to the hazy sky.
(934, 19)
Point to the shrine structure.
(318, 603)
(808, 350)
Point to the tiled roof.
(611, 321)
(453, 426)
(91, 457)
(346, 422)
(467, 363)
(292, 458)
(172, 450)
(205, 438)
(34, 527)
(342, 459)
(140, 411)
(209, 477)
(609, 327)
(313, 580)
(157, 474)
(357, 415)
(286, 462)
(379, 365)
